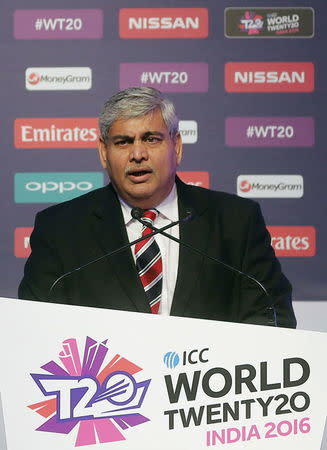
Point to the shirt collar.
(168, 208)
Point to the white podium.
(74, 377)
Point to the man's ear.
(102, 153)
(178, 147)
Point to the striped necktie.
(149, 263)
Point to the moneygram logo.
(58, 78)
(163, 23)
(269, 77)
(79, 132)
(54, 187)
(104, 402)
(32, 78)
(293, 241)
(22, 242)
(197, 178)
(270, 186)
(189, 131)
(244, 186)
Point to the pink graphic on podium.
(102, 399)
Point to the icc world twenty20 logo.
(101, 399)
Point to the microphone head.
(137, 213)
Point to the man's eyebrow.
(126, 137)
(121, 136)
(152, 133)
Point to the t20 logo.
(101, 400)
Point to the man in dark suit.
(140, 147)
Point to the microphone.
(137, 213)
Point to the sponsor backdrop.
(248, 83)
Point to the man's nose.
(139, 151)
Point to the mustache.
(141, 168)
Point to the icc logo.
(172, 359)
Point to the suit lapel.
(196, 234)
(110, 232)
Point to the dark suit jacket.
(225, 226)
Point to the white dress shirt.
(168, 212)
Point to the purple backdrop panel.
(167, 77)
(58, 24)
(269, 109)
(269, 131)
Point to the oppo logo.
(53, 187)
(61, 186)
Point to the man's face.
(141, 159)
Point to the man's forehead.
(151, 122)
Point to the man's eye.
(153, 139)
(121, 143)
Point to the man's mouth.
(139, 175)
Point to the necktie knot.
(150, 215)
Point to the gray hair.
(136, 102)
